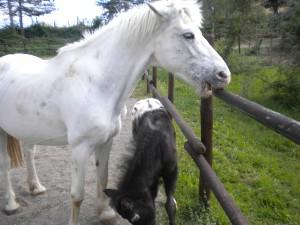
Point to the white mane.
(139, 22)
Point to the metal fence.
(201, 150)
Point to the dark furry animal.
(154, 158)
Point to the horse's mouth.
(205, 89)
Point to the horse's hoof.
(12, 210)
(37, 189)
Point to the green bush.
(36, 30)
(286, 87)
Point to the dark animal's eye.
(189, 35)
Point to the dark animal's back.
(154, 132)
(154, 143)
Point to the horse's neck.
(117, 68)
(124, 70)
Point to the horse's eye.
(189, 35)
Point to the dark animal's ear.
(112, 193)
(126, 203)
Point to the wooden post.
(171, 87)
(154, 76)
(206, 112)
(146, 75)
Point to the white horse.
(76, 98)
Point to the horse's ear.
(158, 11)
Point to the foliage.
(231, 20)
(96, 23)
(286, 87)
(112, 7)
(35, 30)
(290, 31)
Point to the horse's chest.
(95, 127)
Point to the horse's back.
(21, 64)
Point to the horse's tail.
(14, 151)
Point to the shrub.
(36, 30)
(286, 87)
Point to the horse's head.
(181, 48)
(138, 209)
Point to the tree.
(29, 8)
(231, 20)
(290, 30)
(274, 4)
(34, 8)
(113, 7)
(6, 4)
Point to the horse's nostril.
(222, 75)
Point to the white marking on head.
(145, 105)
(135, 218)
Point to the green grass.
(258, 167)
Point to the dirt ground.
(53, 166)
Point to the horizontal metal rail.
(281, 124)
(195, 148)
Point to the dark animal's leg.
(170, 185)
(154, 189)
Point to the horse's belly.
(31, 117)
(33, 130)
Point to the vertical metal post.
(154, 76)
(206, 112)
(171, 87)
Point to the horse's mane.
(138, 22)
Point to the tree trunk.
(21, 15)
(230, 42)
(11, 17)
(239, 42)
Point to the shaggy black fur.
(154, 158)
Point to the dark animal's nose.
(223, 76)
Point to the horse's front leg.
(107, 215)
(80, 156)
(35, 186)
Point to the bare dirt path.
(53, 166)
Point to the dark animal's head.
(138, 208)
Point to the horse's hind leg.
(170, 178)
(107, 215)
(35, 187)
(11, 204)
